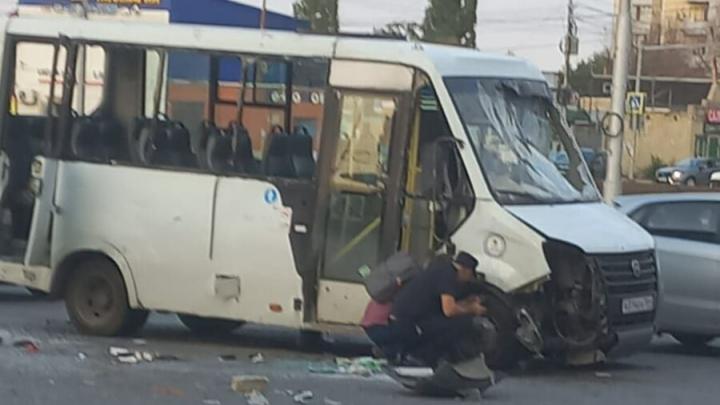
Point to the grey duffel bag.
(382, 282)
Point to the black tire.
(209, 326)
(97, 301)
(505, 351)
(693, 340)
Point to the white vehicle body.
(218, 246)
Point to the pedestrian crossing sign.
(636, 103)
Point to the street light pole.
(613, 179)
(637, 119)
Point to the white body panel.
(179, 233)
(594, 228)
(341, 302)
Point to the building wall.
(672, 21)
(668, 135)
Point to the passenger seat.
(98, 138)
(165, 142)
(301, 154)
(277, 161)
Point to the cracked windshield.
(526, 153)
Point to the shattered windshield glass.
(524, 150)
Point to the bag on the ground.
(382, 283)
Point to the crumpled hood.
(594, 227)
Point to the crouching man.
(432, 306)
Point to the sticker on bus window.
(271, 196)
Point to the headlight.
(677, 175)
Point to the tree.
(581, 77)
(406, 29)
(322, 15)
(451, 22)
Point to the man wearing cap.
(432, 304)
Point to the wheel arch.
(64, 266)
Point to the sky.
(531, 29)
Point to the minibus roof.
(446, 61)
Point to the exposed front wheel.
(502, 350)
(209, 326)
(693, 340)
(97, 302)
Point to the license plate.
(637, 305)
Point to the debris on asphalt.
(227, 357)
(139, 342)
(256, 398)
(211, 402)
(329, 401)
(257, 358)
(118, 351)
(148, 357)
(248, 383)
(127, 359)
(303, 396)
(602, 374)
(81, 356)
(28, 345)
(362, 366)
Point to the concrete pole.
(613, 179)
(263, 15)
(637, 118)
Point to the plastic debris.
(28, 345)
(127, 359)
(148, 357)
(118, 351)
(4, 337)
(257, 358)
(602, 374)
(362, 366)
(303, 396)
(81, 356)
(256, 398)
(329, 401)
(248, 383)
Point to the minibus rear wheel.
(209, 326)
(97, 301)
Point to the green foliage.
(581, 76)
(322, 15)
(451, 22)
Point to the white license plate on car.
(637, 305)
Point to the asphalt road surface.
(74, 369)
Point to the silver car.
(686, 228)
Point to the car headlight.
(677, 175)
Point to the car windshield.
(519, 139)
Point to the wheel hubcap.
(96, 302)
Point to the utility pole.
(569, 49)
(623, 39)
(263, 15)
(637, 118)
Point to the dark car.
(690, 172)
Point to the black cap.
(466, 260)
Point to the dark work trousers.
(453, 339)
(393, 339)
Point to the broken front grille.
(627, 276)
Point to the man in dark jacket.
(432, 304)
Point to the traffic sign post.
(636, 103)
